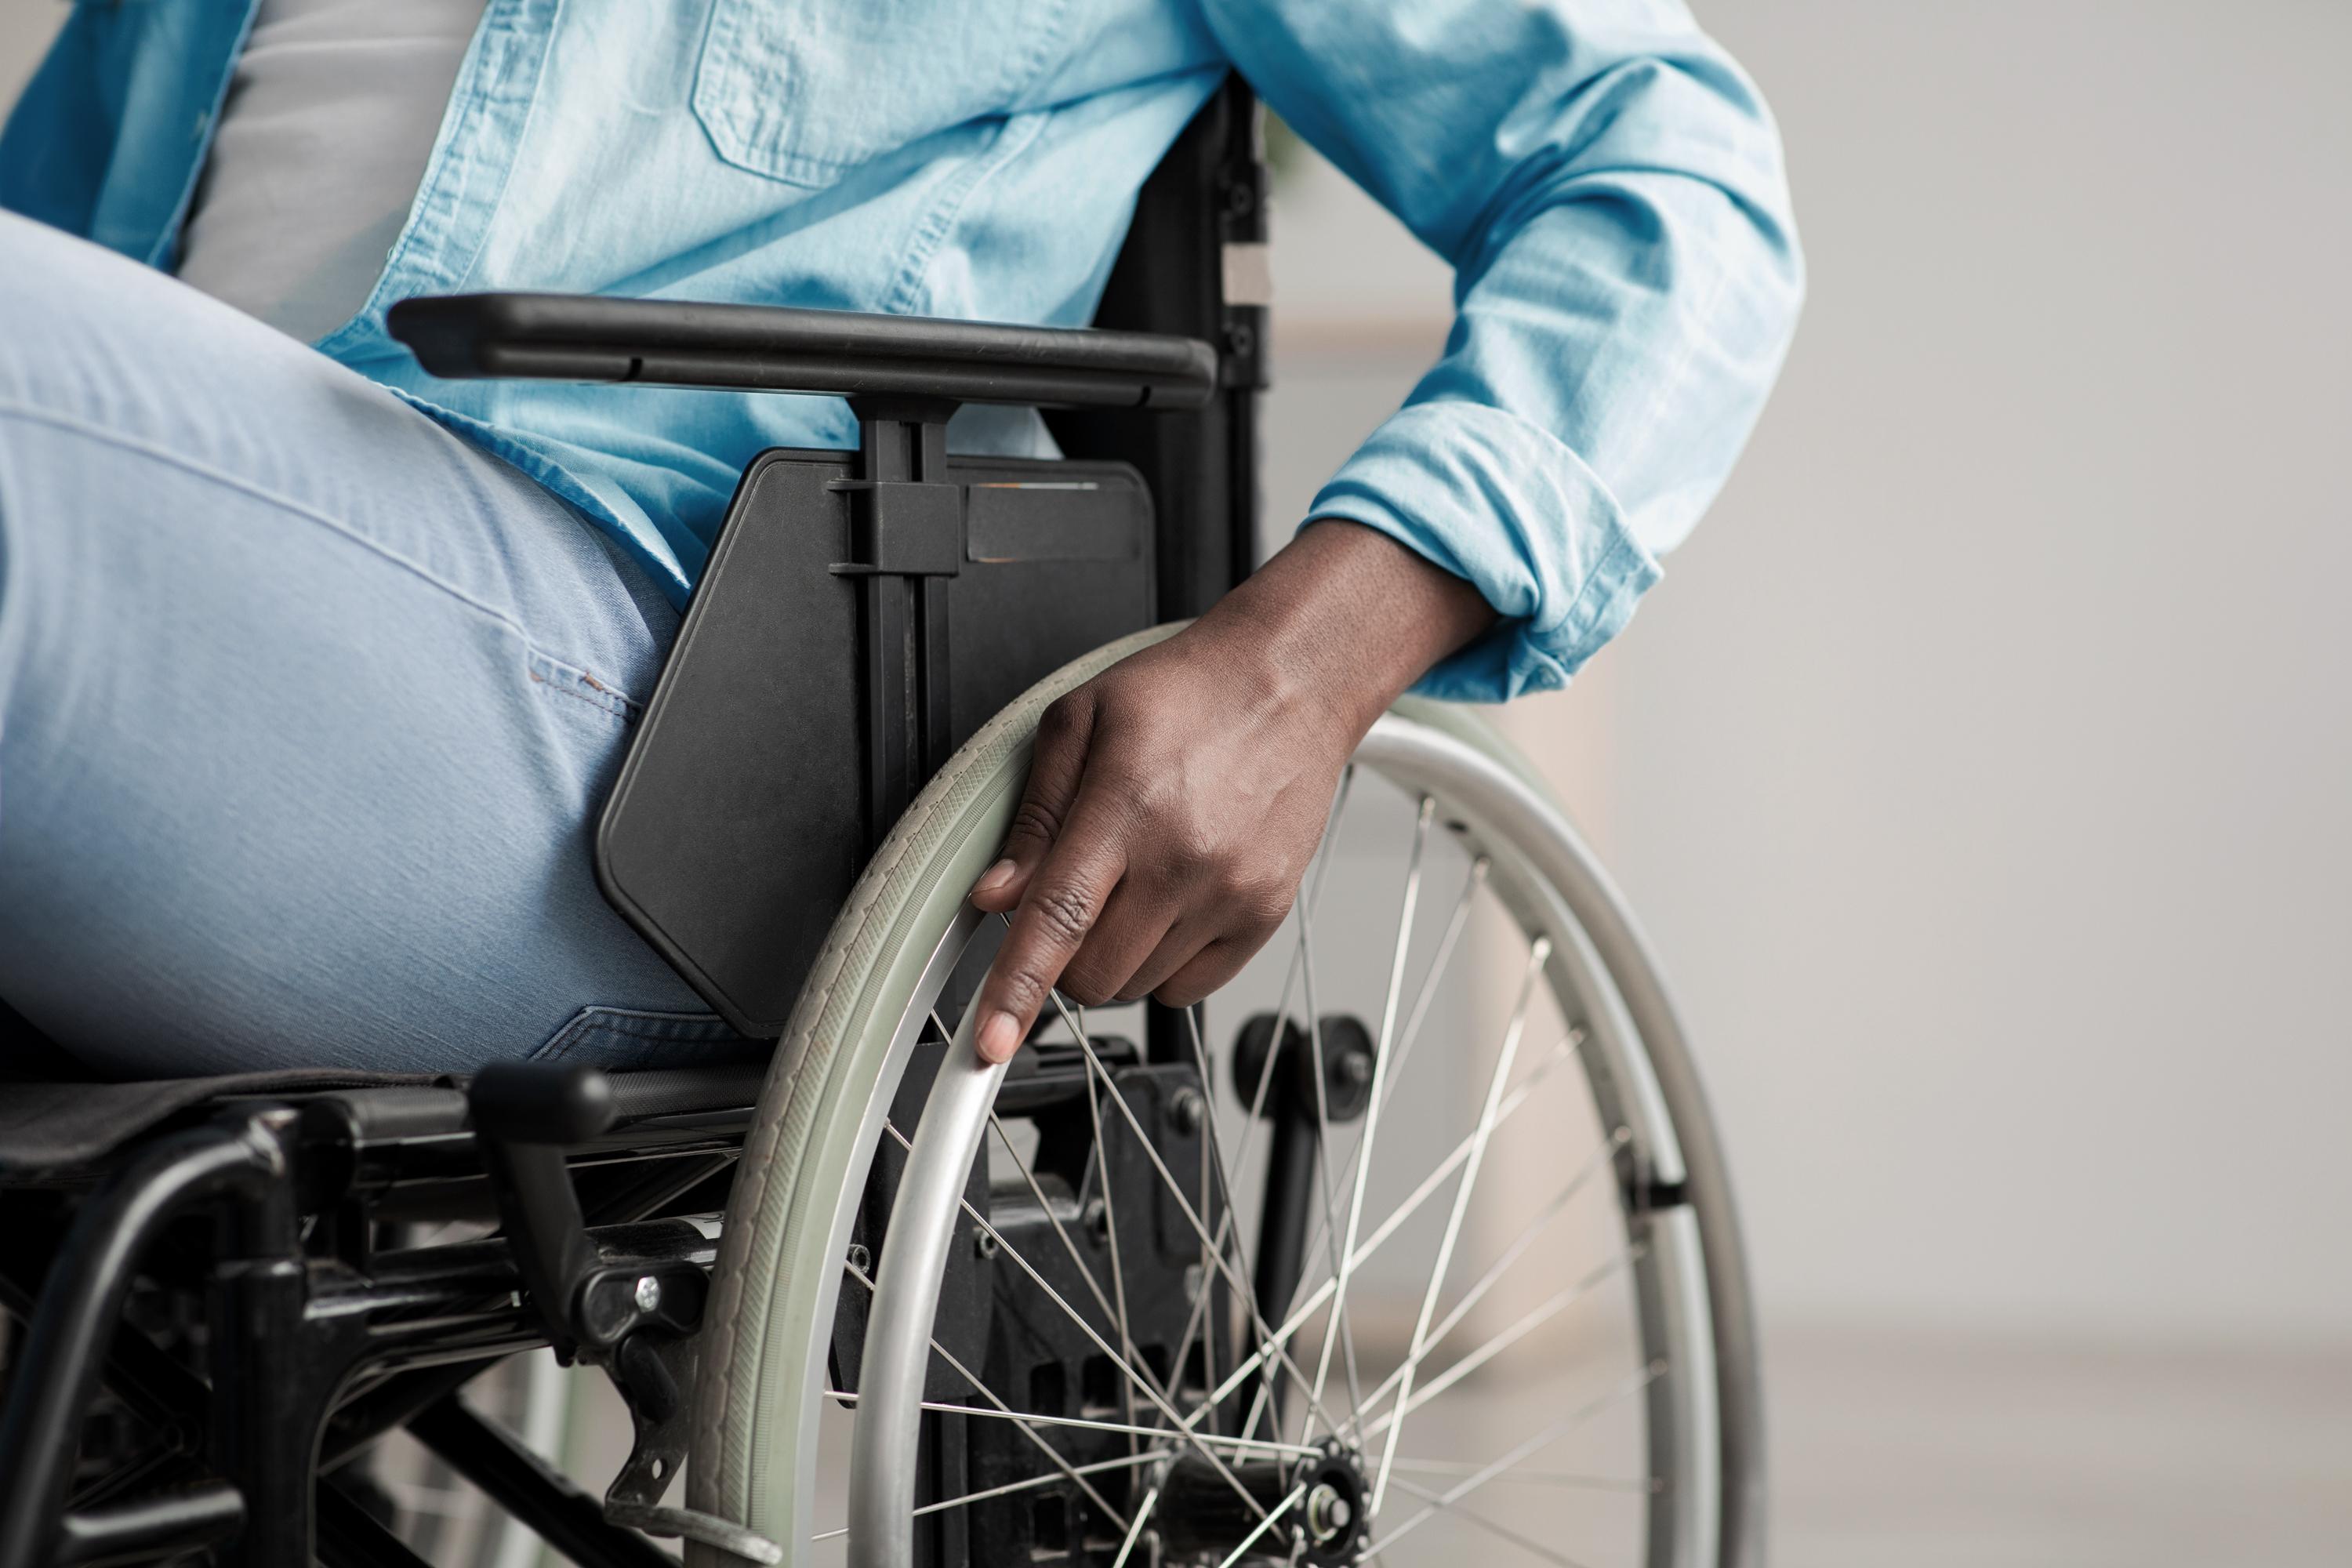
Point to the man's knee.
(95, 337)
(50, 283)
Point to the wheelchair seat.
(56, 1129)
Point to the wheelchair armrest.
(763, 348)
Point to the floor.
(1944, 1451)
(1929, 1451)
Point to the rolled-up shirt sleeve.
(1608, 187)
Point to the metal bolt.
(648, 1292)
(1186, 1110)
(1328, 1514)
(1356, 1069)
(861, 1259)
(984, 1243)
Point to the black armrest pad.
(759, 348)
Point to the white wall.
(25, 27)
(1982, 765)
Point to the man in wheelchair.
(515, 544)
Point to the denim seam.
(694, 1027)
(595, 1023)
(68, 423)
(606, 699)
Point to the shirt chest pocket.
(803, 90)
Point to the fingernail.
(999, 1037)
(995, 877)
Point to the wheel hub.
(1201, 1515)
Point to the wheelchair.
(1415, 1240)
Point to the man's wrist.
(1344, 619)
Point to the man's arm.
(1608, 187)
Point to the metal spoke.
(1084, 1273)
(1207, 1291)
(1311, 898)
(1027, 1429)
(1541, 1440)
(1568, 1479)
(1159, 1400)
(1336, 1327)
(1535, 1319)
(1212, 1157)
(1110, 1209)
(1512, 1254)
(1045, 1207)
(1135, 1530)
(1094, 1066)
(1127, 1463)
(1519, 1096)
(1218, 1440)
(1469, 1516)
(1242, 1371)
(1537, 954)
(1284, 1506)
(1402, 1213)
(1456, 923)
(1525, 1239)
(1214, 1148)
(1399, 951)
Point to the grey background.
(1981, 766)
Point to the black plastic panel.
(741, 817)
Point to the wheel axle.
(1325, 1524)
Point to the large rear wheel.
(1413, 1240)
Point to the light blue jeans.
(306, 708)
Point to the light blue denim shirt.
(1605, 181)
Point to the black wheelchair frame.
(255, 1214)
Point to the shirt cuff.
(1490, 498)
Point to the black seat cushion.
(54, 1126)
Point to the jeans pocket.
(625, 1038)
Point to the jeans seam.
(34, 415)
(595, 1022)
(610, 701)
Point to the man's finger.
(1055, 772)
(1059, 907)
(1129, 930)
(1211, 969)
(1182, 943)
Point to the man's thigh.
(305, 707)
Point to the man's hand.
(1176, 798)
